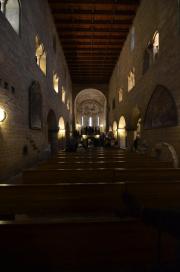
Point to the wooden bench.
(160, 195)
(72, 245)
(57, 199)
(52, 176)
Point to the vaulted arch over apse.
(90, 110)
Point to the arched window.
(122, 132)
(131, 80)
(56, 82)
(40, 55)
(62, 130)
(155, 45)
(68, 104)
(120, 95)
(11, 9)
(63, 94)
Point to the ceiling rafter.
(92, 33)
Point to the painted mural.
(161, 110)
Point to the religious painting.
(161, 110)
(35, 106)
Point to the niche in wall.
(161, 110)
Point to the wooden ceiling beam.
(60, 21)
(66, 37)
(58, 11)
(93, 30)
(108, 44)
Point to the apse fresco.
(161, 111)
(35, 106)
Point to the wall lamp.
(3, 115)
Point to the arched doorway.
(115, 130)
(90, 112)
(122, 132)
(52, 131)
(61, 133)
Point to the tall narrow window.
(98, 121)
(131, 80)
(155, 45)
(68, 104)
(63, 94)
(82, 121)
(120, 95)
(40, 55)
(90, 121)
(11, 10)
(56, 83)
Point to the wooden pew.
(57, 199)
(159, 194)
(72, 245)
(52, 176)
(145, 174)
(102, 164)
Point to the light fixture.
(2, 115)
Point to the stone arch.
(115, 129)
(122, 135)
(62, 129)
(12, 10)
(90, 109)
(52, 131)
(35, 106)
(161, 110)
(166, 152)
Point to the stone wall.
(21, 146)
(153, 15)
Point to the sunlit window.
(90, 121)
(63, 94)
(56, 83)
(131, 80)
(68, 104)
(40, 55)
(120, 95)
(155, 45)
(11, 10)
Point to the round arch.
(62, 130)
(122, 132)
(115, 129)
(90, 110)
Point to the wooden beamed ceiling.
(92, 33)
